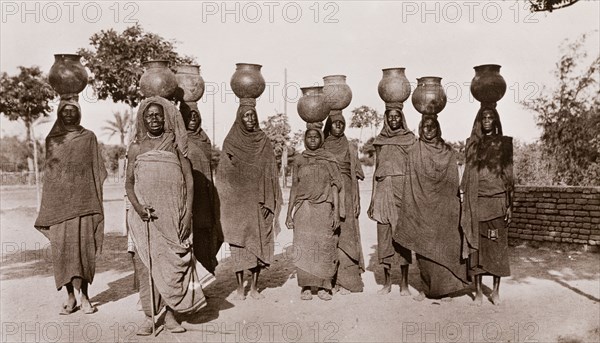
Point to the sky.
(312, 39)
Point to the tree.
(569, 117)
(368, 152)
(364, 116)
(119, 126)
(549, 5)
(116, 61)
(530, 165)
(278, 130)
(26, 97)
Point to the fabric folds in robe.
(429, 224)
(247, 181)
(71, 213)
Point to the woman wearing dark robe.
(488, 186)
(351, 263)
(314, 215)
(207, 235)
(249, 195)
(71, 212)
(429, 218)
(160, 188)
(391, 149)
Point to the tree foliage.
(119, 125)
(569, 116)
(25, 96)
(278, 129)
(14, 153)
(115, 61)
(365, 116)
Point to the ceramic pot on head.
(429, 96)
(158, 79)
(67, 75)
(190, 83)
(247, 81)
(337, 93)
(488, 85)
(394, 86)
(312, 107)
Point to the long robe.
(391, 149)
(71, 213)
(349, 247)
(159, 182)
(487, 183)
(429, 224)
(247, 181)
(315, 240)
(207, 234)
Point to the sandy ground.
(552, 296)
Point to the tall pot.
(247, 81)
(67, 74)
(488, 85)
(312, 107)
(191, 84)
(158, 79)
(429, 96)
(394, 86)
(337, 93)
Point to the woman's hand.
(265, 212)
(336, 218)
(508, 216)
(146, 212)
(289, 222)
(356, 209)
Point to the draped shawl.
(479, 154)
(247, 179)
(429, 224)
(73, 177)
(391, 147)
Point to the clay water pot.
(488, 85)
(394, 86)
(67, 74)
(337, 93)
(190, 83)
(312, 107)
(158, 79)
(247, 81)
(429, 96)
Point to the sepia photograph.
(300, 171)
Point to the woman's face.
(250, 120)
(195, 121)
(394, 119)
(430, 130)
(154, 120)
(312, 140)
(337, 128)
(487, 121)
(70, 115)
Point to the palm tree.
(119, 126)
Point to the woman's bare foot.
(386, 289)
(86, 305)
(495, 298)
(419, 297)
(171, 322)
(404, 291)
(478, 300)
(146, 328)
(323, 294)
(69, 306)
(255, 295)
(446, 299)
(239, 295)
(306, 293)
(344, 291)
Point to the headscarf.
(338, 146)
(250, 147)
(59, 129)
(477, 157)
(402, 136)
(319, 153)
(186, 111)
(175, 130)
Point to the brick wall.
(557, 214)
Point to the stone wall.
(557, 214)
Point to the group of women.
(180, 215)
